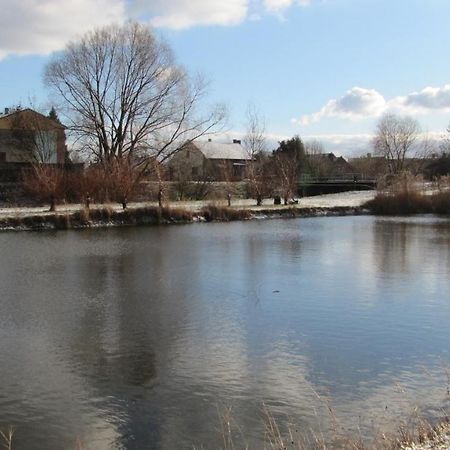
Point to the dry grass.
(283, 435)
(405, 195)
(98, 217)
(6, 438)
(406, 203)
(223, 213)
(401, 203)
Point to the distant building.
(328, 165)
(27, 136)
(207, 160)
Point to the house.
(27, 136)
(329, 165)
(208, 160)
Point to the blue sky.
(324, 69)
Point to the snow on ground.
(349, 199)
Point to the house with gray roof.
(208, 160)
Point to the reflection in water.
(135, 338)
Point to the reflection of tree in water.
(401, 244)
(391, 246)
(112, 344)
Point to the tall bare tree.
(286, 175)
(255, 145)
(395, 138)
(316, 159)
(125, 96)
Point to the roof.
(30, 117)
(217, 150)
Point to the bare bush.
(45, 183)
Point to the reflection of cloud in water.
(42, 392)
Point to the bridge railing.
(341, 177)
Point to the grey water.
(144, 338)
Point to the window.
(2, 157)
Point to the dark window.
(2, 157)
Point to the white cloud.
(277, 5)
(347, 145)
(428, 100)
(357, 103)
(361, 103)
(43, 26)
(281, 5)
(179, 14)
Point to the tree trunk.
(160, 196)
(258, 200)
(52, 204)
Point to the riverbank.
(437, 439)
(100, 216)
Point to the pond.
(146, 337)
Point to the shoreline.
(100, 218)
(74, 216)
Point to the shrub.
(223, 213)
(441, 202)
(401, 203)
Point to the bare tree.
(228, 179)
(255, 145)
(45, 183)
(445, 143)
(394, 140)
(122, 178)
(317, 163)
(125, 96)
(286, 175)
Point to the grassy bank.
(99, 217)
(153, 215)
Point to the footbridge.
(309, 185)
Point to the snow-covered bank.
(344, 199)
(75, 216)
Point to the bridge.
(309, 185)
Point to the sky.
(320, 69)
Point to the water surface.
(141, 337)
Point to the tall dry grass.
(214, 212)
(406, 195)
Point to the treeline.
(116, 181)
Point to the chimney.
(6, 110)
(236, 141)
